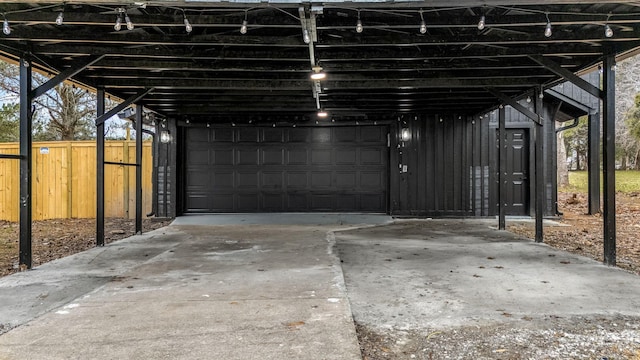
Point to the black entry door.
(517, 174)
(278, 169)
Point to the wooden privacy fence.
(64, 180)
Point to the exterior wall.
(434, 166)
(166, 167)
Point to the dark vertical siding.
(438, 159)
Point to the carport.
(329, 106)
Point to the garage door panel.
(371, 202)
(346, 156)
(247, 180)
(272, 156)
(346, 180)
(345, 135)
(248, 135)
(223, 202)
(322, 202)
(297, 180)
(247, 202)
(347, 202)
(223, 157)
(321, 157)
(298, 135)
(249, 156)
(321, 135)
(273, 135)
(198, 157)
(371, 180)
(198, 202)
(220, 134)
(198, 136)
(272, 202)
(198, 179)
(374, 134)
(296, 156)
(245, 169)
(271, 180)
(224, 180)
(297, 202)
(371, 156)
(320, 179)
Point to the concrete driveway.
(254, 291)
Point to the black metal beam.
(609, 158)
(132, 99)
(539, 169)
(514, 104)
(593, 140)
(502, 166)
(25, 163)
(64, 75)
(10, 156)
(100, 169)
(568, 75)
(139, 110)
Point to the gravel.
(615, 337)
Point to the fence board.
(64, 180)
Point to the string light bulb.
(305, 36)
(481, 23)
(608, 32)
(243, 27)
(547, 29)
(6, 29)
(318, 74)
(118, 24)
(359, 27)
(187, 25)
(128, 21)
(423, 24)
(60, 18)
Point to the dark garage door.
(273, 169)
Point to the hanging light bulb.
(547, 29)
(128, 21)
(118, 24)
(322, 114)
(481, 23)
(608, 32)
(6, 29)
(359, 27)
(243, 28)
(187, 25)
(318, 74)
(528, 99)
(60, 18)
(305, 36)
(423, 24)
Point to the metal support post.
(139, 109)
(609, 159)
(100, 170)
(539, 180)
(25, 163)
(502, 157)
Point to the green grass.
(627, 181)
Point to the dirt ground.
(54, 239)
